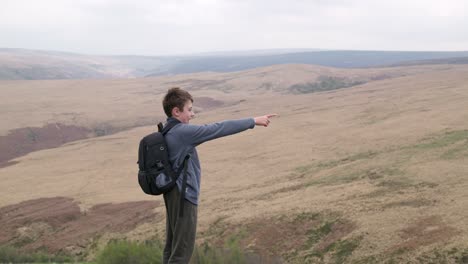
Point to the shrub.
(122, 252)
(231, 254)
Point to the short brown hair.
(175, 97)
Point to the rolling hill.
(20, 64)
(361, 166)
(339, 58)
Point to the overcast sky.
(168, 27)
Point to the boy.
(182, 140)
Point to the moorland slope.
(361, 166)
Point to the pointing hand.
(264, 120)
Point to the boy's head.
(178, 104)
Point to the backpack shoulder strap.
(184, 185)
(169, 125)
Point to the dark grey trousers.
(180, 231)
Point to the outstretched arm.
(195, 134)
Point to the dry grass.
(388, 156)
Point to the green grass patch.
(396, 184)
(454, 145)
(205, 254)
(349, 159)
(13, 255)
(215, 228)
(390, 178)
(306, 216)
(337, 252)
(336, 179)
(379, 176)
(232, 253)
(366, 260)
(438, 256)
(315, 235)
(444, 140)
(343, 249)
(306, 168)
(456, 152)
(123, 251)
(151, 252)
(409, 203)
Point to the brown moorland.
(374, 171)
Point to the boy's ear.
(175, 111)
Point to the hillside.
(333, 58)
(21, 64)
(33, 121)
(364, 173)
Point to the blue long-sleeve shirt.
(182, 140)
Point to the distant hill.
(21, 64)
(33, 65)
(339, 59)
(458, 60)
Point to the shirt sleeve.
(198, 134)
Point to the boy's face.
(186, 114)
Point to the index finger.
(271, 115)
